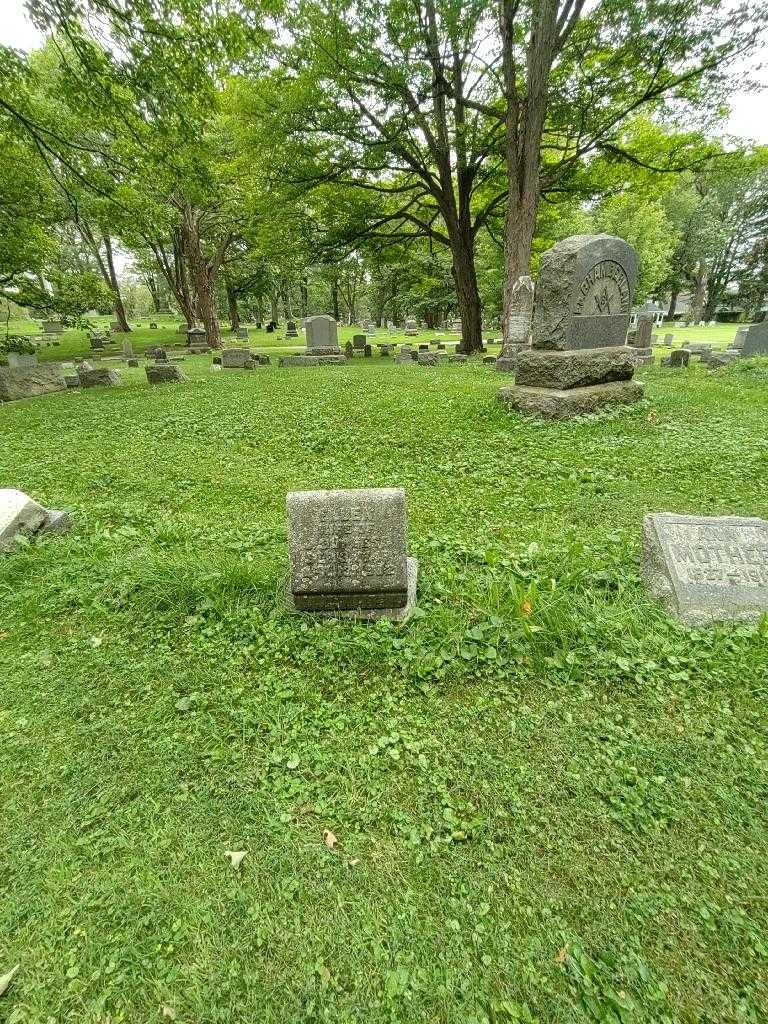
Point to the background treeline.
(269, 161)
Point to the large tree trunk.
(519, 226)
(672, 305)
(274, 302)
(106, 265)
(699, 292)
(151, 284)
(232, 307)
(204, 271)
(120, 316)
(335, 298)
(467, 294)
(303, 297)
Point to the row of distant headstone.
(348, 556)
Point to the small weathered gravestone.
(756, 340)
(707, 570)
(53, 327)
(153, 326)
(368, 351)
(668, 339)
(348, 554)
(322, 336)
(197, 337)
(19, 514)
(115, 327)
(411, 328)
(127, 350)
(518, 324)
(290, 330)
(164, 373)
(680, 357)
(100, 377)
(30, 381)
(236, 358)
(579, 360)
(359, 342)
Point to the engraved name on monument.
(707, 569)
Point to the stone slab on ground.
(20, 514)
(30, 381)
(553, 403)
(164, 374)
(348, 553)
(574, 368)
(707, 569)
(98, 377)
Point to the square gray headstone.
(322, 335)
(707, 570)
(348, 553)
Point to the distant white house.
(647, 309)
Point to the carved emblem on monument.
(604, 291)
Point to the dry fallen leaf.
(168, 1012)
(6, 979)
(235, 857)
(562, 954)
(329, 839)
(354, 862)
(526, 607)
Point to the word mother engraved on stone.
(707, 570)
(604, 291)
(348, 552)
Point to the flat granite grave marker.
(30, 381)
(19, 514)
(348, 554)
(707, 570)
(579, 360)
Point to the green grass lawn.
(550, 799)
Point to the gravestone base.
(312, 360)
(573, 368)
(324, 350)
(561, 404)
(641, 356)
(364, 614)
(506, 363)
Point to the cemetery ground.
(538, 799)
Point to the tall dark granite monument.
(579, 360)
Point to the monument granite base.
(562, 404)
